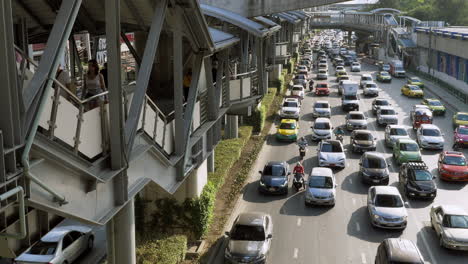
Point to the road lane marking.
(296, 252)
(299, 220)
(351, 181)
(354, 201)
(363, 258)
(358, 227)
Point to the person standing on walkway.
(104, 74)
(93, 83)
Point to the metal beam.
(136, 14)
(54, 49)
(222, 62)
(211, 91)
(178, 73)
(144, 73)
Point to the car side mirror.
(336, 185)
(360, 163)
(406, 204)
(388, 165)
(443, 134)
(260, 172)
(227, 233)
(269, 236)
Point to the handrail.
(22, 214)
(243, 74)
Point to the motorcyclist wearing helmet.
(339, 131)
(302, 142)
(298, 169)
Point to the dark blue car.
(274, 178)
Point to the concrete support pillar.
(232, 126)
(211, 161)
(121, 236)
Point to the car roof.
(362, 131)
(288, 121)
(272, 163)
(384, 72)
(414, 86)
(406, 140)
(386, 190)
(429, 126)
(373, 154)
(332, 142)
(403, 250)
(57, 233)
(321, 102)
(251, 219)
(322, 120)
(387, 107)
(414, 78)
(291, 100)
(453, 210)
(355, 113)
(321, 171)
(366, 75)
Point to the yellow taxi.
(415, 81)
(460, 119)
(287, 130)
(412, 91)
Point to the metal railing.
(241, 86)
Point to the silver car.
(249, 240)
(356, 120)
(386, 207)
(386, 115)
(393, 133)
(362, 141)
(355, 67)
(330, 153)
(322, 129)
(451, 225)
(321, 187)
(62, 245)
(378, 102)
(371, 89)
(429, 136)
(290, 108)
(321, 109)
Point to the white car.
(356, 120)
(322, 74)
(322, 129)
(451, 225)
(302, 68)
(323, 66)
(321, 109)
(291, 108)
(393, 133)
(429, 136)
(62, 245)
(364, 79)
(330, 153)
(321, 187)
(371, 89)
(386, 115)
(386, 207)
(355, 67)
(298, 90)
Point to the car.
(355, 120)
(340, 70)
(385, 67)
(460, 119)
(384, 76)
(330, 153)
(417, 181)
(355, 67)
(290, 108)
(298, 90)
(373, 168)
(249, 240)
(429, 136)
(302, 68)
(450, 222)
(342, 78)
(412, 91)
(393, 133)
(415, 81)
(460, 135)
(305, 73)
(362, 140)
(371, 89)
(338, 61)
(321, 109)
(322, 89)
(320, 187)
(386, 207)
(300, 79)
(63, 244)
(421, 109)
(406, 150)
(452, 166)
(378, 102)
(322, 129)
(386, 115)
(435, 106)
(364, 79)
(322, 74)
(398, 250)
(274, 178)
(287, 130)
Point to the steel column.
(178, 72)
(144, 73)
(121, 236)
(211, 91)
(260, 66)
(222, 63)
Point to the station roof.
(222, 39)
(287, 17)
(300, 14)
(406, 43)
(452, 32)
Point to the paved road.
(343, 234)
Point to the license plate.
(391, 224)
(272, 189)
(332, 165)
(375, 181)
(423, 194)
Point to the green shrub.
(258, 117)
(201, 210)
(169, 250)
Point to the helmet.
(298, 163)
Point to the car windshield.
(422, 175)
(299, 77)
(409, 147)
(398, 132)
(321, 182)
(323, 71)
(374, 163)
(274, 170)
(355, 64)
(435, 103)
(387, 112)
(462, 117)
(415, 80)
(322, 66)
(297, 89)
(287, 126)
(290, 104)
(356, 116)
(322, 85)
(363, 136)
(327, 147)
(366, 78)
(384, 74)
(388, 200)
(43, 248)
(344, 77)
(371, 85)
(321, 105)
(455, 160)
(322, 125)
(431, 132)
(350, 97)
(456, 221)
(381, 102)
(463, 130)
(414, 88)
(248, 233)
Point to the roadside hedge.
(257, 118)
(168, 250)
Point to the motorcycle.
(339, 137)
(298, 181)
(457, 145)
(302, 151)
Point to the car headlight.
(447, 238)
(443, 171)
(331, 195)
(262, 183)
(341, 160)
(259, 257)
(322, 159)
(376, 217)
(285, 183)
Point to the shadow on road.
(356, 186)
(294, 205)
(251, 194)
(428, 237)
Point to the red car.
(452, 166)
(322, 89)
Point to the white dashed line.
(351, 181)
(363, 258)
(354, 201)
(299, 220)
(358, 227)
(296, 252)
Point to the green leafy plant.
(166, 250)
